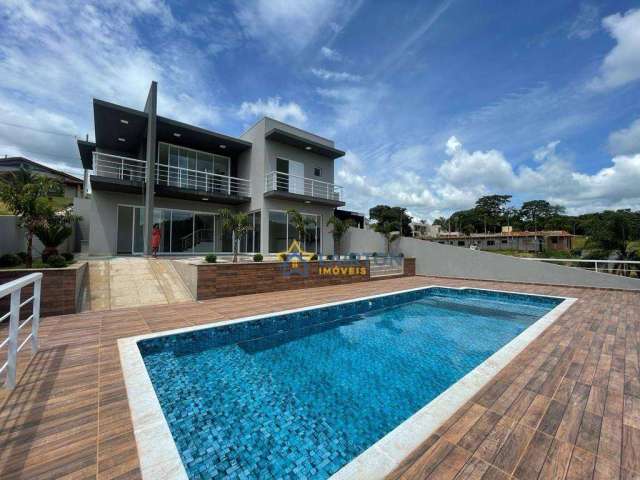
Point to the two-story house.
(146, 169)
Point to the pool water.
(300, 395)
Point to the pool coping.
(159, 456)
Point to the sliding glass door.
(282, 232)
(130, 230)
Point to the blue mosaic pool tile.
(299, 395)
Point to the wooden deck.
(567, 407)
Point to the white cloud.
(622, 64)
(285, 24)
(289, 112)
(626, 141)
(335, 76)
(466, 175)
(330, 54)
(56, 55)
(586, 22)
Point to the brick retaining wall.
(409, 267)
(61, 289)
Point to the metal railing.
(627, 268)
(284, 182)
(383, 266)
(203, 181)
(14, 288)
(123, 168)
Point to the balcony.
(292, 187)
(124, 174)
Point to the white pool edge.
(157, 452)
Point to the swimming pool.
(301, 394)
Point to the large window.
(282, 232)
(250, 242)
(183, 167)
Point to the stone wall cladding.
(226, 280)
(60, 289)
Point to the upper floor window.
(317, 172)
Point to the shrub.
(314, 257)
(68, 256)
(211, 258)
(9, 260)
(22, 256)
(374, 254)
(257, 257)
(353, 256)
(329, 257)
(401, 255)
(56, 261)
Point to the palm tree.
(238, 224)
(27, 196)
(56, 230)
(300, 223)
(339, 229)
(390, 232)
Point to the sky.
(435, 102)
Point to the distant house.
(424, 230)
(72, 185)
(358, 219)
(558, 240)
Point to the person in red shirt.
(155, 240)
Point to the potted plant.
(52, 233)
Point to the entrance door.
(130, 234)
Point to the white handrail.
(595, 263)
(14, 288)
(302, 185)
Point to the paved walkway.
(567, 407)
(126, 282)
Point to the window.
(174, 163)
(504, 241)
(317, 172)
(250, 242)
(554, 240)
(490, 243)
(461, 243)
(282, 232)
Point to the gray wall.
(449, 261)
(14, 238)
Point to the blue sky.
(436, 103)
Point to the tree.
(440, 222)
(536, 213)
(388, 229)
(238, 224)
(300, 223)
(492, 209)
(395, 215)
(339, 228)
(55, 231)
(26, 196)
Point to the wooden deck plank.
(567, 407)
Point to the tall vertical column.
(150, 108)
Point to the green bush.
(56, 261)
(68, 256)
(257, 257)
(9, 260)
(211, 258)
(353, 256)
(22, 256)
(314, 257)
(374, 254)
(329, 257)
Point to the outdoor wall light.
(120, 139)
(126, 122)
(177, 135)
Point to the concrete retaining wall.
(448, 261)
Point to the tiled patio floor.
(567, 407)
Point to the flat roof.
(290, 138)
